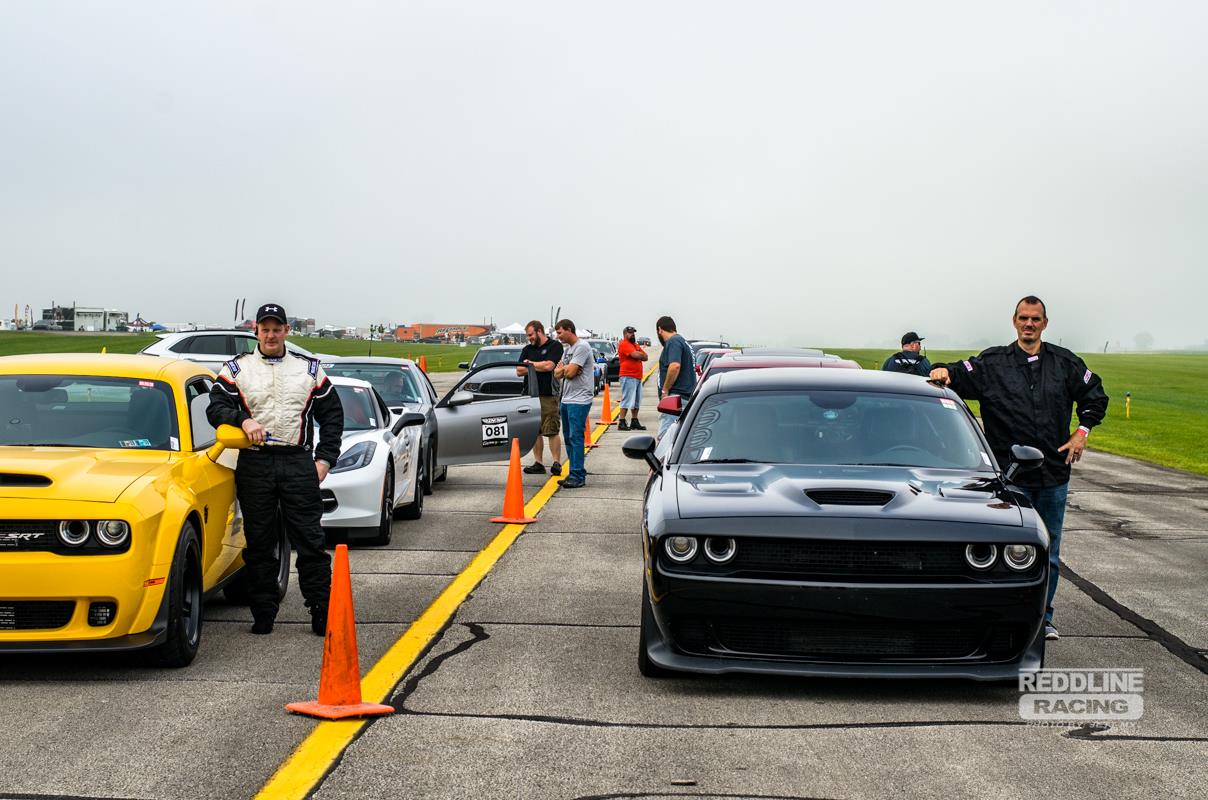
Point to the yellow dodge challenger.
(117, 518)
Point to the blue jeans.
(574, 421)
(1049, 503)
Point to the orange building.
(425, 330)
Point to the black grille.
(21, 479)
(330, 503)
(31, 615)
(805, 557)
(833, 641)
(502, 388)
(848, 497)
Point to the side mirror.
(642, 447)
(672, 404)
(232, 438)
(1024, 458)
(461, 398)
(464, 365)
(408, 419)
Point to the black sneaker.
(636, 426)
(571, 483)
(318, 620)
(555, 468)
(262, 626)
(536, 468)
(623, 425)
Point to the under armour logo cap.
(910, 337)
(271, 311)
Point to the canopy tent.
(515, 329)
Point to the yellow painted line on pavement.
(311, 760)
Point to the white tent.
(515, 329)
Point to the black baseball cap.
(271, 311)
(630, 329)
(911, 336)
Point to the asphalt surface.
(533, 691)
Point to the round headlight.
(74, 532)
(112, 532)
(720, 551)
(1019, 556)
(981, 556)
(680, 548)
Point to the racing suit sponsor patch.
(1086, 377)
(233, 368)
(968, 366)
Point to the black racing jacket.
(1023, 404)
(909, 363)
(289, 395)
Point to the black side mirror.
(1024, 458)
(408, 419)
(642, 447)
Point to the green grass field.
(1168, 423)
(441, 357)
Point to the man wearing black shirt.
(1027, 390)
(542, 354)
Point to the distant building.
(424, 331)
(83, 318)
(303, 326)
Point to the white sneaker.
(1051, 634)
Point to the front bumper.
(357, 496)
(718, 625)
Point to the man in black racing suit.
(277, 397)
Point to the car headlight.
(720, 551)
(1019, 557)
(981, 556)
(680, 548)
(112, 532)
(359, 455)
(74, 532)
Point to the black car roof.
(782, 378)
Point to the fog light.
(101, 614)
(680, 548)
(720, 551)
(981, 556)
(1019, 556)
(74, 532)
(112, 532)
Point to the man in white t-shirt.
(575, 370)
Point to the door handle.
(522, 410)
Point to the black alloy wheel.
(387, 515)
(184, 604)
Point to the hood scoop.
(848, 497)
(23, 480)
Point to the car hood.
(780, 490)
(88, 474)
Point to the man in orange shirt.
(632, 356)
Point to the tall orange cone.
(587, 442)
(423, 363)
(513, 495)
(606, 409)
(340, 680)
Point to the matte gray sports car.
(837, 522)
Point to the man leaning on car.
(277, 397)
(1026, 390)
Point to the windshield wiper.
(726, 461)
(883, 464)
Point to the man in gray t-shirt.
(576, 370)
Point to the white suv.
(210, 348)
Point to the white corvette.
(376, 476)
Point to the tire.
(387, 515)
(184, 605)
(429, 468)
(645, 666)
(236, 590)
(414, 509)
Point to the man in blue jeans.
(1026, 390)
(575, 370)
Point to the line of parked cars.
(119, 516)
(807, 517)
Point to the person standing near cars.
(277, 398)
(632, 357)
(541, 355)
(1027, 390)
(677, 370)
(909, 359)
(575, 371)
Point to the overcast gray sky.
(818, 173)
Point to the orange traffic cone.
(513, 495)
(606, 409)
(340, 680)
(587, 442)
(423, 363)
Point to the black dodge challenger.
(837, 523)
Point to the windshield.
(87, 411)
(603, 348)
(508, 355)
(360, 409)
(394, 383)
(831, 427)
